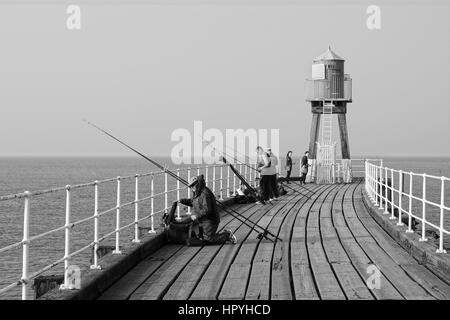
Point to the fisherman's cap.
(193, 182)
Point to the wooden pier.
(330, 241)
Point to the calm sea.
(48, 211)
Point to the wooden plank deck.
(329, 241)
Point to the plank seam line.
(237, 251)
(362, 247)
(333, 192)
(401, 266)
(381, 247)
(340, 240)
(168, 259)
(291, 281)
(291, 275)
(217, 252)
(329, 188)
(175, 278)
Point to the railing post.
(424, 195)
(178, 193)
(152, 203)
(400, 195)
(234, 183)
(386, 192)
(372, 181)
(365, 176)
(368, 178)
(67, 228)
(409, 230)
(189, 189)
(250, 175)
(206, 176)
(136, 209)
(95, 258)
(245, 172)
(25, 245)
(214, 179)
(392, 217)
(228, 181)
(383, 191)
(221, 183)
(117, 249)
(441, 219)
(376, 185)
(165, 192)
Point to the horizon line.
(196, 157)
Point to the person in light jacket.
(264, 168)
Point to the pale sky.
(143, 71)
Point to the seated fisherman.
(204, 209)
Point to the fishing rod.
(249, 166)
(243, 181)
(263, 234)
(245, 164)
(248, 159)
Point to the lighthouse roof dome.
(328, 55)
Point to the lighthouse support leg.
(345, 149)
(314, 136)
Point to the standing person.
(204, 209)
(263, 167)
(273, 175)
(304, 168)
(288, 166)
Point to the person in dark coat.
(273, 176)
(304, 168)
(204, 209)
(288, 166)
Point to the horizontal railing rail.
(385, 187)
(219, 178)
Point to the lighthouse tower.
(329, 90)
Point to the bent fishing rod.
(248, 159)
(249, 166)
(262, 234)
(243, 181)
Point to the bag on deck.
(242, 199)
(177, 231)
(281, 190)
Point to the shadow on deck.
(330, 242)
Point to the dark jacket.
(288, 163)
(203, 203)
(304, 161)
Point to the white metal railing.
(385, 187)
(224, 190)
(341, 168)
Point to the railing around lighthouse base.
(386, 188)
(338, 171)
